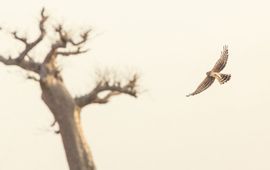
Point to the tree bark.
(67, 114)
(76, 148)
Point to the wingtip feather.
(188, 95)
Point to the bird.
(214, 73)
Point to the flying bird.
(215, 73)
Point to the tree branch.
(20, 61)
(68, 53)
(130, 88)
(84, 38)
(31, 77)
(22, 39)
(30, 46)
(26, 65)
(64, 40)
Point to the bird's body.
(222, 78)
(215, 73)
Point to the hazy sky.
(172, 44)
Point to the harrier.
(215, 73)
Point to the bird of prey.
(214, 73)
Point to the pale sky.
(172, 44)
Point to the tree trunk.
(76, 148)
(67, 114)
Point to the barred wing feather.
(207, 82)
(222, 61)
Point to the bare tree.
(64, 107)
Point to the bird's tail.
(223, 78)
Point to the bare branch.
(22, 39)
(53, 124)
(63, 35)
(84, 37)
(30, 46)
(62, 43)
(26, 65)
(29, 58)
(42, 21)
(130, 88)
(106, 98)
(30, 64)
(64, 40)
(31, 77)
(68, 53)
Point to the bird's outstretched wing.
(207, 82)
(221, 63)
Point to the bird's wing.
(221, 63)
(207, 82)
